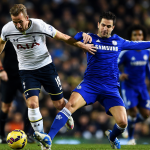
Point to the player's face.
(137, 35)
(105, 27)
(21, 22)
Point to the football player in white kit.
(36, 68)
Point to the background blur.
(70, 17)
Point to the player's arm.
(3, 74)
(69, 40)
(148, 70)
(2, 45)
(135, 45)
(121, 61)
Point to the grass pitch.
(79, 147)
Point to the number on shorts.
(148, 104)
(58, 82)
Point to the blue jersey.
(102, 68)
(136, 65)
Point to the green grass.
(79, 147)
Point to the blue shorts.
(106, 97)
(135, 97)
(45, 76)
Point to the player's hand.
(86, 38)
(90, 48)
(3, 75)
(123, 77)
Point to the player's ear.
(27, 17)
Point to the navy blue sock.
(139, 118)
(131, 124)
(130, 128)
(115, 132)
(3, 119)
(59, 121)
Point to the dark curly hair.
(108, 15)
(136, 27)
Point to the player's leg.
(115, 106)
(78, 99)
(130, 97)
(31, 87)
(75, 102)
(119, 127)
(51, 83)
(9, 89)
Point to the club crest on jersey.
(114, 42)
(50, 28)
(145, 57)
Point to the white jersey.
(30, 47)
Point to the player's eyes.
(108, 26)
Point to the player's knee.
(59, 105)
(122, 123)
(32, 104)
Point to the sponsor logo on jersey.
(98, 41)
(15, 40)
(138, 63)
(107, 48)
(27, 46)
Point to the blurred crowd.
(70, 17)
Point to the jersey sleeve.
(135, 45)
(47, 29)
(3, 33)
(79, 36)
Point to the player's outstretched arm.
(68, 39)
(2, 45)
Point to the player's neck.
(104, 37)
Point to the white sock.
(35, 118)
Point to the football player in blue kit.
(100, 81)
(133, 89)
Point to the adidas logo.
(98, 41)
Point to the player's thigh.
(30, 83)
(82, 95)
(75, 102)
(8, 90)
(130, 97)
(111, 98)
(51, 82)
(144, 112)
(144, 100)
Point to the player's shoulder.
(8, 26)
(92, 34)
(36, 21)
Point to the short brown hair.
(108, 15)
(17, 9)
